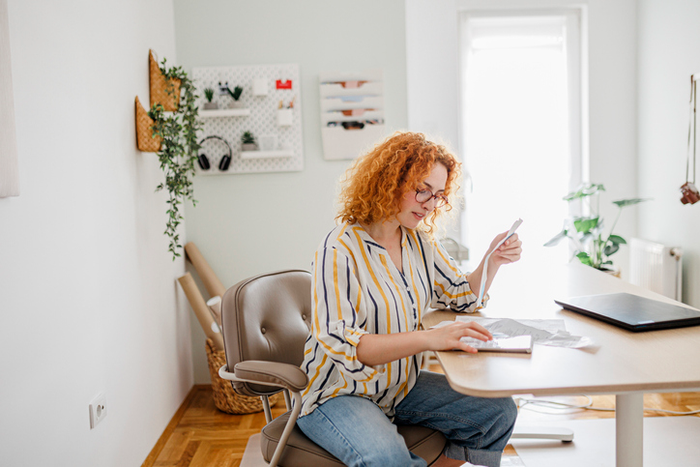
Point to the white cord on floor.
(556, 405)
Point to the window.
(521, 127)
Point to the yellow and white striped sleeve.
(337, 324)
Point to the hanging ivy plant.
(178, 151)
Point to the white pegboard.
(261, 121)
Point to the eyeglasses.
(425, 195)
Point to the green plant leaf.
(585, 237)
(584, 258)
(611, 249)
(179, 149)
(617, 240)
(557, 238)
(629, 202)
(584, 190)
(585, 224)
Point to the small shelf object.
(285, 117)
(260, 87)
(209, 105)
(248, 142)
(235, 95)
(268, 142)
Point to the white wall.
(433, 86)
(88, 297)
(247, 224)
(669, 52)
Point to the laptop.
(632, 312)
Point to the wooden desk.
(626, 364)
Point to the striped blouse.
(356, 289)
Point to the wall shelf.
(224, 113)
(266, 154)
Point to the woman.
(374, 276)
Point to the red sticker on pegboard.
(287, 84)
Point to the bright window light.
(517, 131)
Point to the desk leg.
(629, 426)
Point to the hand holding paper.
(484, 273)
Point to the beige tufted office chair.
(265, 322)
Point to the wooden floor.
(200, 435)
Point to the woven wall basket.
(225, 398)
(158, 87)
(144, 131)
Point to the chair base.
(668, 441)
(543, 432)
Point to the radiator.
(656, 267)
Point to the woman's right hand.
(448, 337)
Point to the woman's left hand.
(509, 252)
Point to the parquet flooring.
(204, 436)
(200, 435)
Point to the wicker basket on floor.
(225, 398)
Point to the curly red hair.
(374, 185)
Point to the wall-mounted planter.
(144, 130)
(159, 87)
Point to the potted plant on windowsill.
(178, 150)
(248, 142)
(236, 94)
(591, 246)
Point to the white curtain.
(9, 172)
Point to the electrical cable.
(556, 405)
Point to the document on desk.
(550, 332)
(517, 344)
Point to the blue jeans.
(357, 432)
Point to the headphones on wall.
(225, 161)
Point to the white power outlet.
(98, 409)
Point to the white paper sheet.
(484, 272)
(550, 332)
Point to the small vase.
(211, 106)
(236, 105)
(249, 147)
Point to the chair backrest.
(266, 317)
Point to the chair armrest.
(272, 373)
